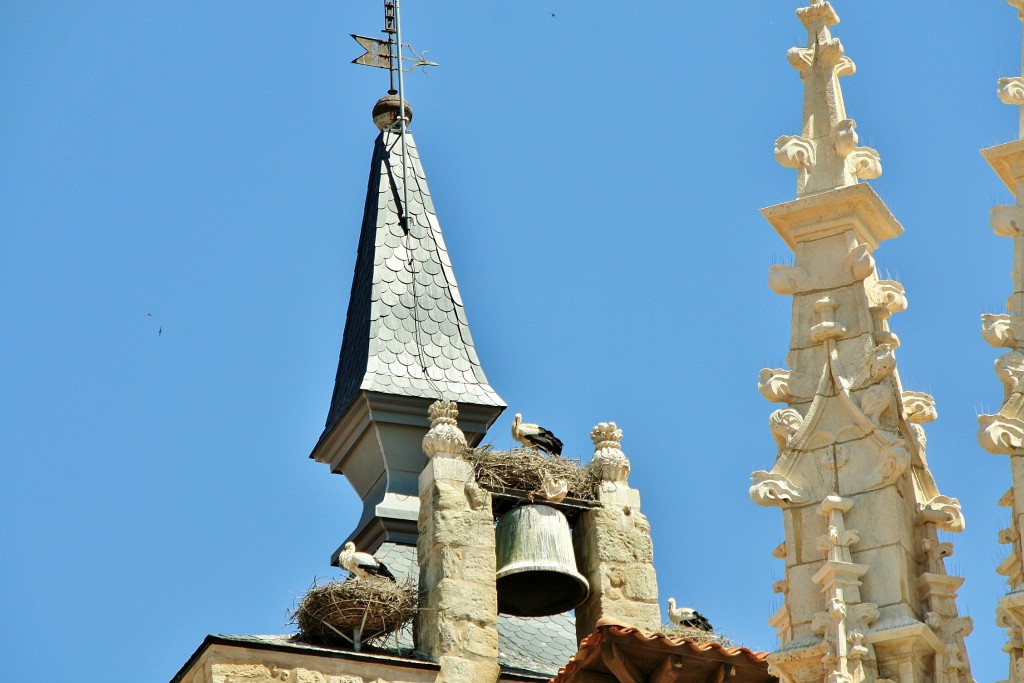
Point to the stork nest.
(696, 634)
(524, 469)
(334, 612)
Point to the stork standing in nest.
(535, 436)
(362, 565)
(687, 617)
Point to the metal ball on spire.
(387, 111)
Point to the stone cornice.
(1007, 160)
(857, 208)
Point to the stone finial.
(444, 435)
(826, 152)
(609, 460)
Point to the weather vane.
(387, 53)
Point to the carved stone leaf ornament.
(919, 407)
(861, 262)
(1001, 435)
(1010, 370)
(864, 163)
(1011, 90)
(787, 280)
(793, 151)
(773, 489)
(1007, 220)
(891, 295)
(774, 385)
(997, 329)
(895, 461)
(945, 512)
(784, 424)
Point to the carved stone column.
(458, 613)
(613, 545)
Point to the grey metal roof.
(530, 644)
(406, 331)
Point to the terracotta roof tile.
(647, 649)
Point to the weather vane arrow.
(378, 54)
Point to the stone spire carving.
(1003, 432)
(825, 154)
(406, 344)
(866, 596)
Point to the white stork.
(535, 436)
(362, 565)
(687, 616)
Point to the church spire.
(1003, 432)
(866, 596)
(407, 341)
(826, 153)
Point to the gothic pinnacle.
(826, 154)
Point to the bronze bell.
(537, 574)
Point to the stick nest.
(331, 613)
(697, 634)
(524, 469)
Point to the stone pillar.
(457, 622)
(613, 545)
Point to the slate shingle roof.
(406, 331)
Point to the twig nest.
(696, 634)
(334, 612)
(525, 469)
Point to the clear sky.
(180, 197)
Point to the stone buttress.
(1003, 432)
(866, 596)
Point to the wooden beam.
(669, 671)
(623, 669)
(721, 672)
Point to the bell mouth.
(539, 590)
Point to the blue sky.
(180, 198)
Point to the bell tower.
(866, 595)
(407, 341)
